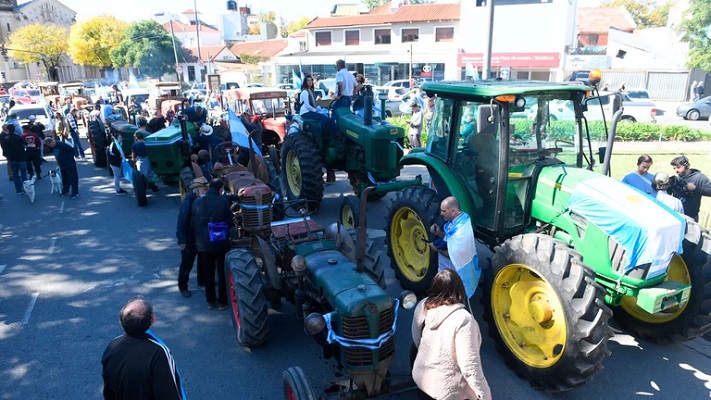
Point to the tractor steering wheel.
(300, 208)
(221, 151)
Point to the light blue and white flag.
(239, 133)
(461, 247)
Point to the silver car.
(700, 109)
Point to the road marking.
(51, 245)
(2, 268)
(61, 208)
(28, 312)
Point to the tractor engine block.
(254, 199)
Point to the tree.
(91, 41)
(294, 26)
(148, 47)
(371, 4)
(646, 13)
(696, 30)
(39, 43)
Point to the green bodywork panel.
(491, 88)
(163, 149)
(663, 296)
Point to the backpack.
(297, 103)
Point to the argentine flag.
(462, 251)
(239, 133)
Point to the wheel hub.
(293, 173)
(411, 251)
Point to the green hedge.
(401, 121)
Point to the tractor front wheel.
(407, 236)
(685, 321)
(296, 386)
(301, 168)
(247, 300)
(139, 187)
(545, 312)
(359, 181)
(350, 212)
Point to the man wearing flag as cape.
(455, 244)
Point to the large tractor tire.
(301, 165)
(139, 187)
(274, 181)
(296, 386)
(350, 212)
(359, 182)
(545, 312)
(407, 235)
(245, 289)
(686, 321)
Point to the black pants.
(34, 164)
(212, 261)
(69, 178)
(187, 259)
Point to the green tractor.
(367, 148)
(570, 245)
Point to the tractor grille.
(357, 328)
(255, 216)
(618, 255)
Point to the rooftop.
(265, 48)
(601, 19)
(404, 14)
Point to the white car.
(402, 83)
(42, 112)
(638, 94)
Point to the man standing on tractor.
(688, 186)
(345, 84)
(458, 249)
(641, 178)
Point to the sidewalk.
(667, 147)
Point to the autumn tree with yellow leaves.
(91, 41)
(39, 43)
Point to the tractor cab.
(268, 106)
(497, 140)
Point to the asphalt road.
(68, 266)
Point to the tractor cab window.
(440, 130)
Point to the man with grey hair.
(661, 184)
(138, 364)
(345, 84)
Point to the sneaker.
(185, 293)
(74, 196)
(121, 193)
(211, 305)
(222, 306)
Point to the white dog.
(29, 186)
(56, 178)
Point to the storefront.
(536, 66)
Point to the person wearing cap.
(689, 185)
(140, 154)
(64, 154)
(415, 124)
(186, 238)
(641, 178)
(660, 184)
(74, 133)
(38, 129)
(207, 141)
(207, 214)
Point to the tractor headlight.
(408, 300)
(314, 323)
(298, 264)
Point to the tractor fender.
(441, 173)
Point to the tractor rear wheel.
(545, 312)
(247, 301)
(301, 167)
(296, 386)
(407, 235)
(359, 181)
(686, 321)
(139, 187)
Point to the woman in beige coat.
(447, 366)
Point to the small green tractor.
(570, 245)
(367, 148)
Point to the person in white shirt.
(415, 124)
(345, 85)
(307, 102)
(661, 184)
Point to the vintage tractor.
(569, 244)
(332, 276)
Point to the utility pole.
(197, 33)
(489, 40)
(411, 67)
(175, 53)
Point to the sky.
(132, 10)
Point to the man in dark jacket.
(186, 238)
(14, 148)
(38, 129)
(3, 139)
(116, 162)
(212, 243)
(138, 364)
(32, 151)
(688, 186)
(64, 154)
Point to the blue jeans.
(78, 150)
(19, 174)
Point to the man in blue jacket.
(186, 238)
(64, 154)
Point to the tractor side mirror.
(486, 118)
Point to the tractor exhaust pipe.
(368, 104)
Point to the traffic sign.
(426, 68)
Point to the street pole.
(175, 53)
(411, 65)
(197, 34)
(489, 40)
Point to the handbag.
(217, 231)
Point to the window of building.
(410, 35)
(323, 39)
(592, 40)
(302, 46)
(382, 36)
(444, 34)
(8, 27)
(352, 38)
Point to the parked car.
(403, 83)
(392, 104)
(700, 109)
(42, 112)
(634, 111)
(255, 85)
(327, 85)
(26, 96)
(638, 94)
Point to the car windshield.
(33, 93)
(638, 94)
(26, 112)
(140, 98)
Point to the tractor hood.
(649, 232)
(347, 290)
